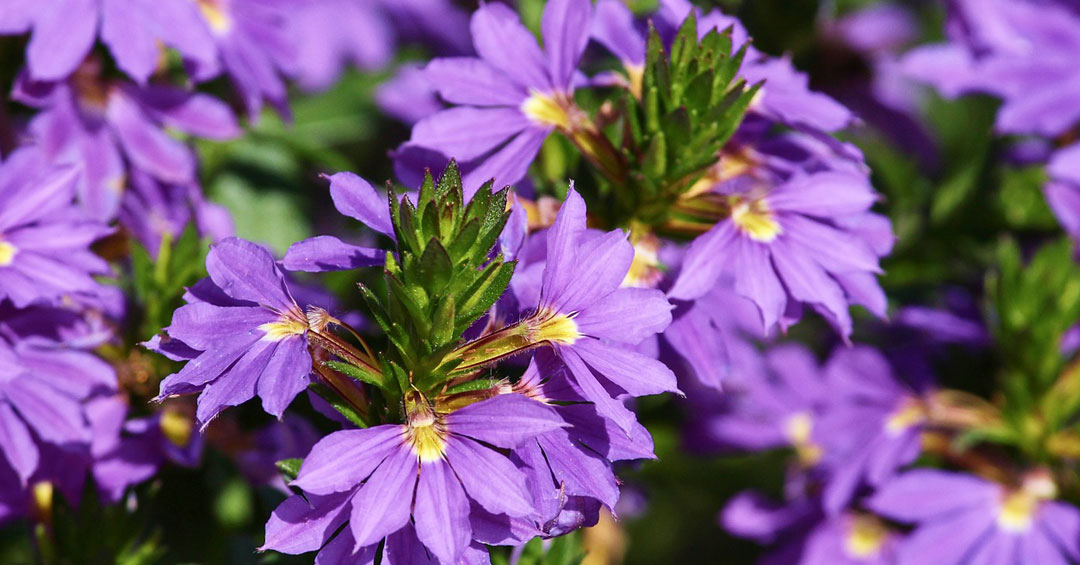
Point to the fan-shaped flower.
(251, 334)
(425, 474)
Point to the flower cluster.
(605, 223)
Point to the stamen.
(545, 109)
(1017, 511)
(177, 427)
(554, 328)
(7, 253)
(425, 431)
(645, 271)
(911, 413)
(215, 15)
(798, 429)
(866, 536)
(755, 219)
(288, 325)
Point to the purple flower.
(592, 321)
(1023, 52)
(779, 267)
(961, 518)
(152, 210)
(408, 96)
(357, 199)
(251, 334)
(108, 127)
(809, 239)
(780, 408)
(63, 32)
(331, 33)
(511, 97)
(803, 535)
(44, 241)
(446, 461)
(872, 425)
(128, 452)
(569, 470)
(253, 47)
(43, 383)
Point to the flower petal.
(504, 421)
(63, 35)
(502, 41)
(356, 198)
(489, 478)
(592, 390)
(633, 372)
(629, 315)
(343, 459)
(16, 445)
(285, 375)
(327, 253)
(565, 27)
(298, 526)
(468, 80)
(922, 494)
(247, 271)
(381, 506)
(441, 512)
(705, 261)
(466, 133)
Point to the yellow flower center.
(176, 426)
(866, 536)
(425, 435)
(214, 13)
(798, 429)
(283, 328)
(7, 253)
(545, 109)
(911, 413)
(755, 219)
(645, 269)
(1017, 511)
(1018, 507)
(117, 184)
(42, 493)
(555, 328)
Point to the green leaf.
(485, 292)
(289, 468)
(358, 373)
(436, 268)
(442, 332)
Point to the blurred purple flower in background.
(44, 240)
(107, 127)
(63, 32)
(961, 518)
